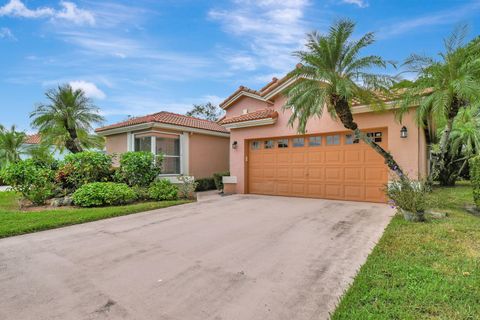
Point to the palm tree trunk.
(73, 144)
(343, 111)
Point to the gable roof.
(33, 139)
(256, 115)
(168, 118)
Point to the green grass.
(422, 270)
(14, 222)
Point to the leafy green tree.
(332, 73)
(206, 111)
(443, 88)
(11, 145)
(66, 121)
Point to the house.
(34, 140)
(190, 146)
(267, 156)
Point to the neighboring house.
(190, 146)
(268, 156)
(35, 139)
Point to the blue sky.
(139, 57)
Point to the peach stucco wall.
(208, 155)
(116, 144)
(248, 103)
(406, 151)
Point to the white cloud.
(271, 30)
(16, 8)
(90, 89)
(69, 12)
(6, 33)
(359, 3)
(431, 19)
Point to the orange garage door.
(330, 166)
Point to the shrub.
(163, 190)
(475, 179)
(187, 187)
(84, 167)
(205, 184)
(103, 194)
(139, 168)
(218, 179)
(33, 182)
(141, 192)
(409, 196)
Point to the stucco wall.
(405, 151)
(208, 155)
(243, 103)
(116, 144)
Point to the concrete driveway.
(237, 257)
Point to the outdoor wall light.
(403, 132)
(234, 145)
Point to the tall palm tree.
(331, 74)
(11, 145)
(444, 87)
(67, 119)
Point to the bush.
(84, 167)
(103, 194)
(409, 196)
(475, 179)
(163, 190)
(141, 192)
(218, 179)
(139, 168)
(33, 182)
(187, 187)
(205, 184)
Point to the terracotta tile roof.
(33, 139)
(169, 118)
(240, 89)
(256, 115)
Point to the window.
(315, 141)
(143, 144)
(298, 142)
(333, 140)
(350, 139)
(282, 143)
(255, 145)
(269, 144)
(375, 136)
(170, 149)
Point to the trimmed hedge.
(205, 184)
(218, 179)
(103, 194)
(163, 190)
(475, 178)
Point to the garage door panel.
(334, 174)
(354, 174)
(333, 156)
(354, 192)
(342, 171)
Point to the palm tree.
(11, 145)
(443, 88)
(67, 120)
(332, 73)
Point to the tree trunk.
(72, 144)
(344, 112)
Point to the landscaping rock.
(61, 202)
(436, 214)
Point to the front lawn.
(14, 222)
(422, 270)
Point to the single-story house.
(190, 146)
(267, 156)
(34, 140)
